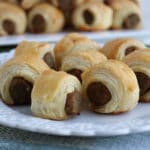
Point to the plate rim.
(130, 127)
(53, 38)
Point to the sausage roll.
(110, 87)
(92, 16)
(139, 61)
(44, 18)
(126, 14)
(68, 6)
(42, 50)
(119, 48)
(17, 77)
(76, 63)
(10, 16)
(59, 98)
(72, 42)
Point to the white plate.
(87, 124)
(99, 36)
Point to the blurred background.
(49, 20)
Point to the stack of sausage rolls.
(78, 72)
(50, 16)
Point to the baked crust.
(116, 49)
(139, 61)
(36, 48)
(28, 67)
(123, 9)
(92, 16)
(70, 43)
(121, 82)
(82, 60)
(53, 18)
(12, 14)
(49, 102)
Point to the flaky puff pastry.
(17, 77)
(59, 98)
(126, 14)
(120, 48)
(110, 87)
(76, 63)
(139, 61)
(41, 49)
(92, 16)
(12, 19)
(45, 18)
(72, 42)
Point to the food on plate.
(110, 87)
(78, 62)
(107, 80)
(126, 14)
(44, 18)
(51, 16)
(72, 42)
(17, 77)
(41, 49)
(59, 98)
(92, 16)
(121, 47)
(139, 61)
(12, 19)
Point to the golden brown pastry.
(42, 50)
(59, 98)
(126, 14)
(17, 77)
(12, 19)
(92, 16)
(110, 87)
(45, 18)
(139, 61)
(70, 43)
(76, 63)
(68, 6)
(119, 48)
